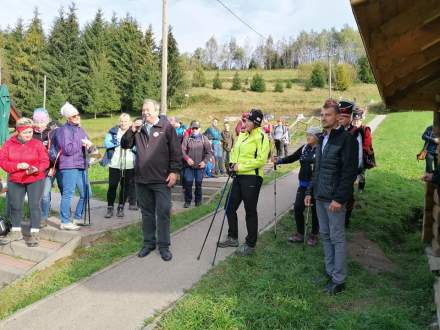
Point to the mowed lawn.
(276, 288)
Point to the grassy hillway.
(276, 288)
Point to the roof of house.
(402, 40)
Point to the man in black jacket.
(332, 185)
(158, 159)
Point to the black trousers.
(117, 177)
(245, 188)
(299, 212)
(279, 146)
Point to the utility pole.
(44, 92)
(329, 76)
(0, 71)
(164, 85)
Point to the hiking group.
(146, 157)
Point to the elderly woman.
(196, 151)
(43, 132)
(121, 166)
(25, 160)
(73, 143)
(306, 157)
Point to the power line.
(239, 18)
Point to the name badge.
(155, 134)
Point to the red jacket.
(33, 152)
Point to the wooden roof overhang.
(402, 41)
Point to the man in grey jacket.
(335, 171)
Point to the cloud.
(195, 21)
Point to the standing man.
(158, 159)
(332, 186)
(227, 143)
(279, 134)
(215, 137)
(248, 158)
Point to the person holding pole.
(247, 160)
(158, 160)
(335, 171)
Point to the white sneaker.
(69, 226)
(78, 221)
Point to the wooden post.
(431, 218)
(44, 91)
(163, 93)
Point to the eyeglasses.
(76, 116)
(193, 128)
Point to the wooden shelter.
(402, 40)
(13, 116)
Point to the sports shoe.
(198, 203)
(69, 226)
(313, 240)
(78, 221)
(296, 238)
(109, 213)
(43, 223)
(133, 207)
(228, 242)
(33, 240)
(335, 288)
(12, 236)
(166, 254)
(244, 250)
(186, 205)
(120, 212)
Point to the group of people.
(150, 152)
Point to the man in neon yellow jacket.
(247, 160)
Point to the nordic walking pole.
(228, 197)
(275, 197)
(305, 226)
(214, 215)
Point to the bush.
(317, 78)
(305, 71)
(343, 77)
(199, 79)
(244, 89)
(289, 84)
(364, 71)
(236, 82)
(258, 84)
(308, 86)
(217, 83)
(246, 81)
(278, 87)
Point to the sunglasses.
(195, 127)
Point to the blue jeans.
(189, 175)
(46, 197)
(72, 178)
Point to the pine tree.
(289, 84)
(199, 79)
(216, 82)
(103, 96)
(364, 71)
(258, 84)
(279, 88)
(317, 77)
(342, 78)
(236, 82)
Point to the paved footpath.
(123, 295)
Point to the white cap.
(68, 110)
(314, 130)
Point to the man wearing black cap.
(247, 160)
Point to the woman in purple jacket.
(73, 142)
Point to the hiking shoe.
(109, 213)
(69, 226)
(33, 240)
(12, 236)
(198, 203)
(313, 240)
(296, 238)
(43, 223)
(187, 205)
(228, 242)
(244, 250)
(120, 212)
(146, 250)
(166, 254)
(133, 207)
(335, 288)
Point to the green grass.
(274, 289)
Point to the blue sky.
(195, 21)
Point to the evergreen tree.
(364, 71)
(279, 88)
(103, 96)
(55, 102)
(308, 86)
(236, 82)
(289, 84)
(257, 83)
(199, 79)
(317, 77)
(342, 78)
(216, 82)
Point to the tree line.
(107, 66)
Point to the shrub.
(217, 83)
(308, 85)
(199, 79)
(236, 82)
(278, 87)
(317, 78)
(289, 84)
(343, 79)
(257, 83)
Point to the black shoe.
(229, 242)
(146, 250)
(198, 203)
(133, 207)
(109, 213)
(335, 288)
(187, 205)
(165, 254)
(120, 212)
